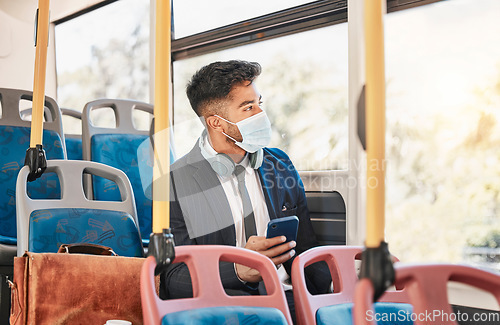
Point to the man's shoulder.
(180, 162)
(277, 154)
(187, 159)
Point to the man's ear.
(214, 123)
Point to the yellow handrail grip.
(42, 39)
(375, 123)
(161, 170)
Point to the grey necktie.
(250, 229)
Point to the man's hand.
(270, 247)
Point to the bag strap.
(86, 248)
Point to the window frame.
(289, 21)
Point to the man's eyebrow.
(247, 102)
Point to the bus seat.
(335, 307)
(43, 225)
(342, 314)
(14, 141)
(426, 287)
(73, 141)
(328, 217)
(117, 147)
(210, 304)
(74, 146)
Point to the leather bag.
(61, 288)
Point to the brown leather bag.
(54, 288)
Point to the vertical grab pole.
(376, 259)
(161, 208)
(35, 155)
(161, 240)
(375, 123)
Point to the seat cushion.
(120, 151)
(74, 148)
(14, 141)
(386, 313)
(48, 229)
(226, 315)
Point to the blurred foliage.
(309, 116)
(120, 69)
(491, 240)
(444, 178)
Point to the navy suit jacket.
(200, 215)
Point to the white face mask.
(255, 130)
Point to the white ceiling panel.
(25, 9)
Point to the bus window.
(213, 14)
(304, 89)
(104, 54)
(443, 94)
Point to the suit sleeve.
(175, 282)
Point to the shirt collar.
(206, 144)
(211, 151)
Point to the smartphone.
(286, 226)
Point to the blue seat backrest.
(385, 313)
(14, 141)
(120, 151)
(74, 148)
(226, 315)
(53, 227)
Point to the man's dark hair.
(213, 82)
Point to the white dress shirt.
(254, 188)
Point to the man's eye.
(248, 108)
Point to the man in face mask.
(230, 185)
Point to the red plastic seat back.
(426, 287)
(341, 262)
(203, 264)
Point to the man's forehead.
(243, 91)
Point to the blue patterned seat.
(14, 141)
(118, 147)
(226, 315)
(385, 313)
(74, 148)
(13, 144)
(45, 224)
(120, 151)
(50, 228)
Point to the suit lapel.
(268, 179)
(215, 207)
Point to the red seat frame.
(426, 287)
(203, 264)
(341, 262)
